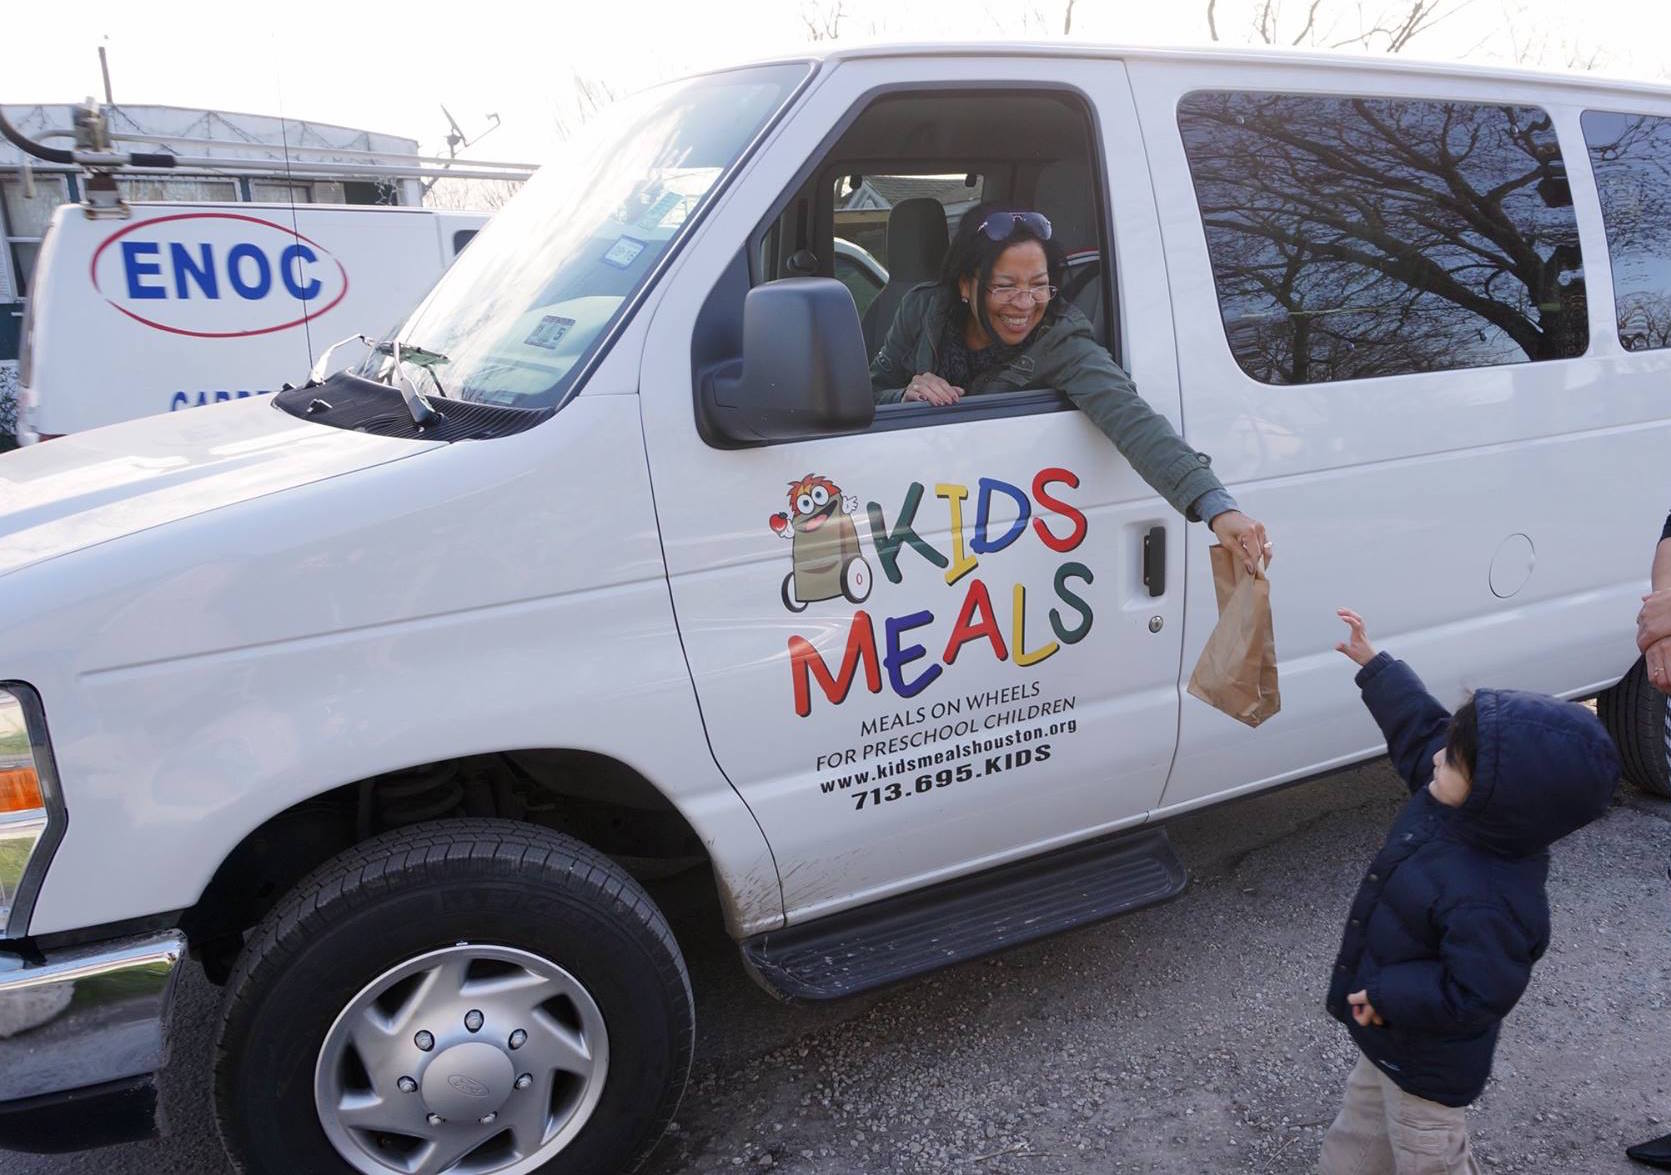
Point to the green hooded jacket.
(1064, 356)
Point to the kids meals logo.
(827, 562)
(824, 545)
(217, 275)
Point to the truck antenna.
(104, 68)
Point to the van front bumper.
(83, 1031)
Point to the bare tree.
(823, 19)
(1645, 321)
(1268, 17)
(1630, 155)
(1035, 19)
(1264, 23)
(1400, 28)
(1535, 40)
(8, 407)
(1325, 24)
(587, 96)
(1355, 237)
(471, 194)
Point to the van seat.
(916, 246)
(1063, 194)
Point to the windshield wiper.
(322, 366)
(423, 413)
(420, 357)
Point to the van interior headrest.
(1064, 195)
(917, 240)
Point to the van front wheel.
(475, 996)
(1634, 714)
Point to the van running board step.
(864, 948)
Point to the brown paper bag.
(1237, 669)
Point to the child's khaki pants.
(1381, 1130)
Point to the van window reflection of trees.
(1631, 156)
(1357, 237)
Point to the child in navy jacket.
(1443, 931)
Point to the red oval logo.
(217, 275)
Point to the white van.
(376, 698)
(185, 304)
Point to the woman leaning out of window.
(995, 303)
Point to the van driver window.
(1361, 237)
(880, 204)
(1631, 157)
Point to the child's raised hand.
(1363, 1011)
(1357, 647)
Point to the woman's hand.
(1653, 622)
(1658, 657)
(931, 389)
(1237, 532)
(1358, 647)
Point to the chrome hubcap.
(471, 1060)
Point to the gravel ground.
(1187, 1038)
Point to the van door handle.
(1154, 560)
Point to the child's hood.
(1543, 768)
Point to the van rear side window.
(1360, 237)
(1631, 156)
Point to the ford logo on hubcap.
(468, 1086)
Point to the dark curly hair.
(972, 254)
(1462, 739)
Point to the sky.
(390, 67)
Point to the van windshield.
(529, 301)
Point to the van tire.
(435, 887)
(1633, 712)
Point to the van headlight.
(31, 809)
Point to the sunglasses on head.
(1001, 226)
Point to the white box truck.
(181, 305)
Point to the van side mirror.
(803, 371)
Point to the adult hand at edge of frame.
(1653, 621)
(1658, 658)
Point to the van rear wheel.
(1633, 712)
(475, 996)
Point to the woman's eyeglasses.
(1001, 226)
(1010, 295)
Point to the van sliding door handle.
(1154, 560)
